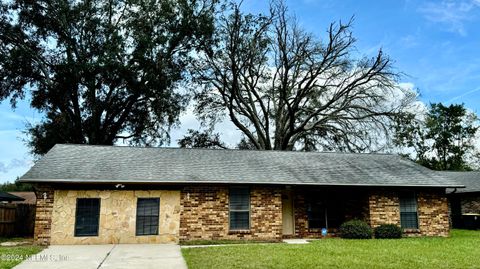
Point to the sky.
(436, 44)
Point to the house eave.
(171, 182)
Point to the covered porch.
(306, 210)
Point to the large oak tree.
(100, 70)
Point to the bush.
(355, 229)
(388, 231)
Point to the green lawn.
(11, 256)
(461, 250)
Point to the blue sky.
(435, 43)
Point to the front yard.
(461, 250)
(11, 256)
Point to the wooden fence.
(17, 220)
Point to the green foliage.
(101, 70)
(442, 140)
(355, 229)
(205, 139)
(386, 231)
(15, 186)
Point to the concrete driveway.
(107, 256)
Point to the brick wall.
(43, 215)
(205, 214)
(384, 208)
(433, 219)
(432, 207)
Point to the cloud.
(14, 164)
(451, 14)
(463, 95)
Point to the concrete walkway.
(107, 256)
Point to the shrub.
(355, 229)
(388, 231)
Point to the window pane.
(239, 198)
(239, 208)
(408, 211)
(316, 214)
(87, 217)
(147, 216)
(239, 220)
(409, 220)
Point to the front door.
(287, 213)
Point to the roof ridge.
(234, 150)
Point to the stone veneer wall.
(117, 216)
(205, 213)
(43, 214)
(433, 217)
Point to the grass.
(461, 250)
(221, 242)
(11, 256)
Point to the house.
(108, 194)
(28, 197)
(465, 202)
(6, 197)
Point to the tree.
(101, 70)
(205, 139)
(282, 87)
(15, 186)
(442, 139)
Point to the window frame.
(230, 210)
(157, 199)
(75, 232)
(410, 195)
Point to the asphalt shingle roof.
(5, 196)
(113, 164)
(471, 180)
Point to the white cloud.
(451, 14)
(463, 95)
(14, 164)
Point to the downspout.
(454, 191)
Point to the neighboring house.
(28, 197)
(465, 202)
(6, 197)
(108, 194)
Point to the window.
(316, 212)
(87, 216)
(239, 208)
(408, 211)
(324, 210)
(148, 210)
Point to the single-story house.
(6, 197)
(109, 194)
(465, 202)
(28, 197)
